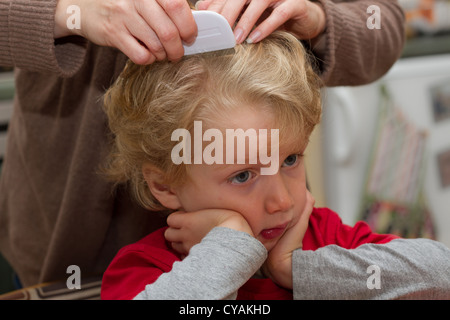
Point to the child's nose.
(278, 197)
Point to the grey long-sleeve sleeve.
(225, 259)
(400, 269)
(214, 269)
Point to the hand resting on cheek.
(186, 229)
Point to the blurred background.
(382, 151)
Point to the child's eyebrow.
(237, 166)
(292, 149)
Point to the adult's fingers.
(203, 4)
(230, 9)
(249, 18)
(131, 47)
(281, 13)
(212, 5)
(140, 30)
(181, 15)
(166, 31)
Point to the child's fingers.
(293, 237)
(179, 241)
(189, 228)
(181, 248)
(172, 235)
(278, 265)
(175, 219)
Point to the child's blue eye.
(290, 160)
(241, 177)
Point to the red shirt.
(141, 263)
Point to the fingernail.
(196, 5)
(254, 37)
(238, 35)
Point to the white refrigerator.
(387, 144)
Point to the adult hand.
(303, 18)
(278, 265)
(186, 229)
(144, 30)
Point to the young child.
(218, 141)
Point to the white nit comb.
(214, 33)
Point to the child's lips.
(273, 233)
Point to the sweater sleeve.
(214, 269)
(349, 53)
(400, 269)
(27, 42)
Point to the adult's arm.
(37, 36)
(399, 269)
(27, 39)
(350, 53)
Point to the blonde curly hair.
(147, 103)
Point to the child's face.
(269, 203)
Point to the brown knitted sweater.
(55, 208)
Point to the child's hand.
(186, 229)
(278, 265)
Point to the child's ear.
(161, 191)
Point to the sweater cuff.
(32, 46)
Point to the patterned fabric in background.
(394, 201)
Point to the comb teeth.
(214, 34)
